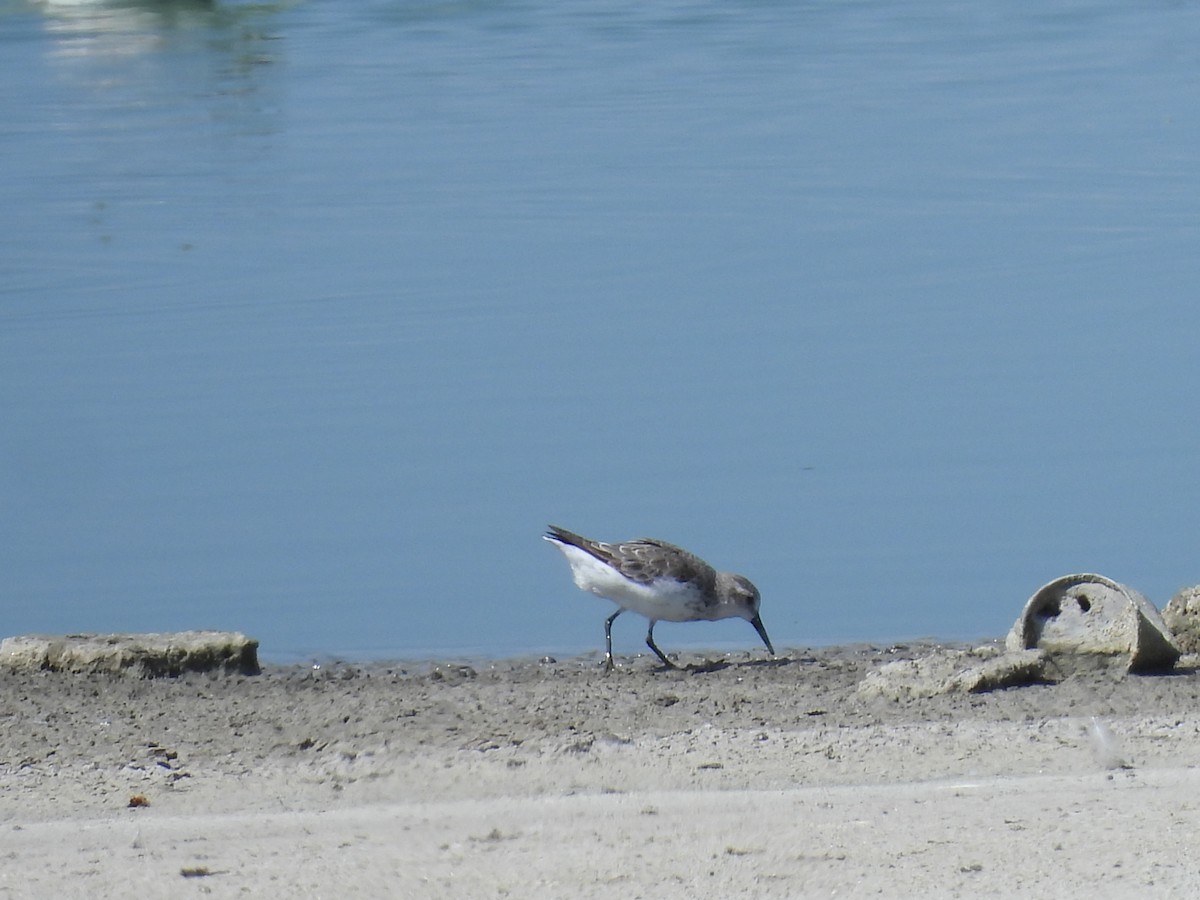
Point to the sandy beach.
(533, 778)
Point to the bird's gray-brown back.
(645, 560)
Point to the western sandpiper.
(659, 581)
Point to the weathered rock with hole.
(954, 671)
(1079, 620)
(141, 655)
(1182, 615)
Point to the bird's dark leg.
(608, 657)
(653, 646)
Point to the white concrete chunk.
(1090, 615)
(142, 655)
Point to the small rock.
(1182, 615)
(954, 671)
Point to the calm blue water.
(313, 314)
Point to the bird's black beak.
(762, 633)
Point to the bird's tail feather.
(562, 536)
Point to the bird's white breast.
(664, 599)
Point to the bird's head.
(744, 597)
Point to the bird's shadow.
(717, 665)
(704, 667)
(775, 662)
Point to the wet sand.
(524, 778)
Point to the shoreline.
(631, 651)
(473, 770)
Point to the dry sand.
(550, 779)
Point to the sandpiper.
(659, 581)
